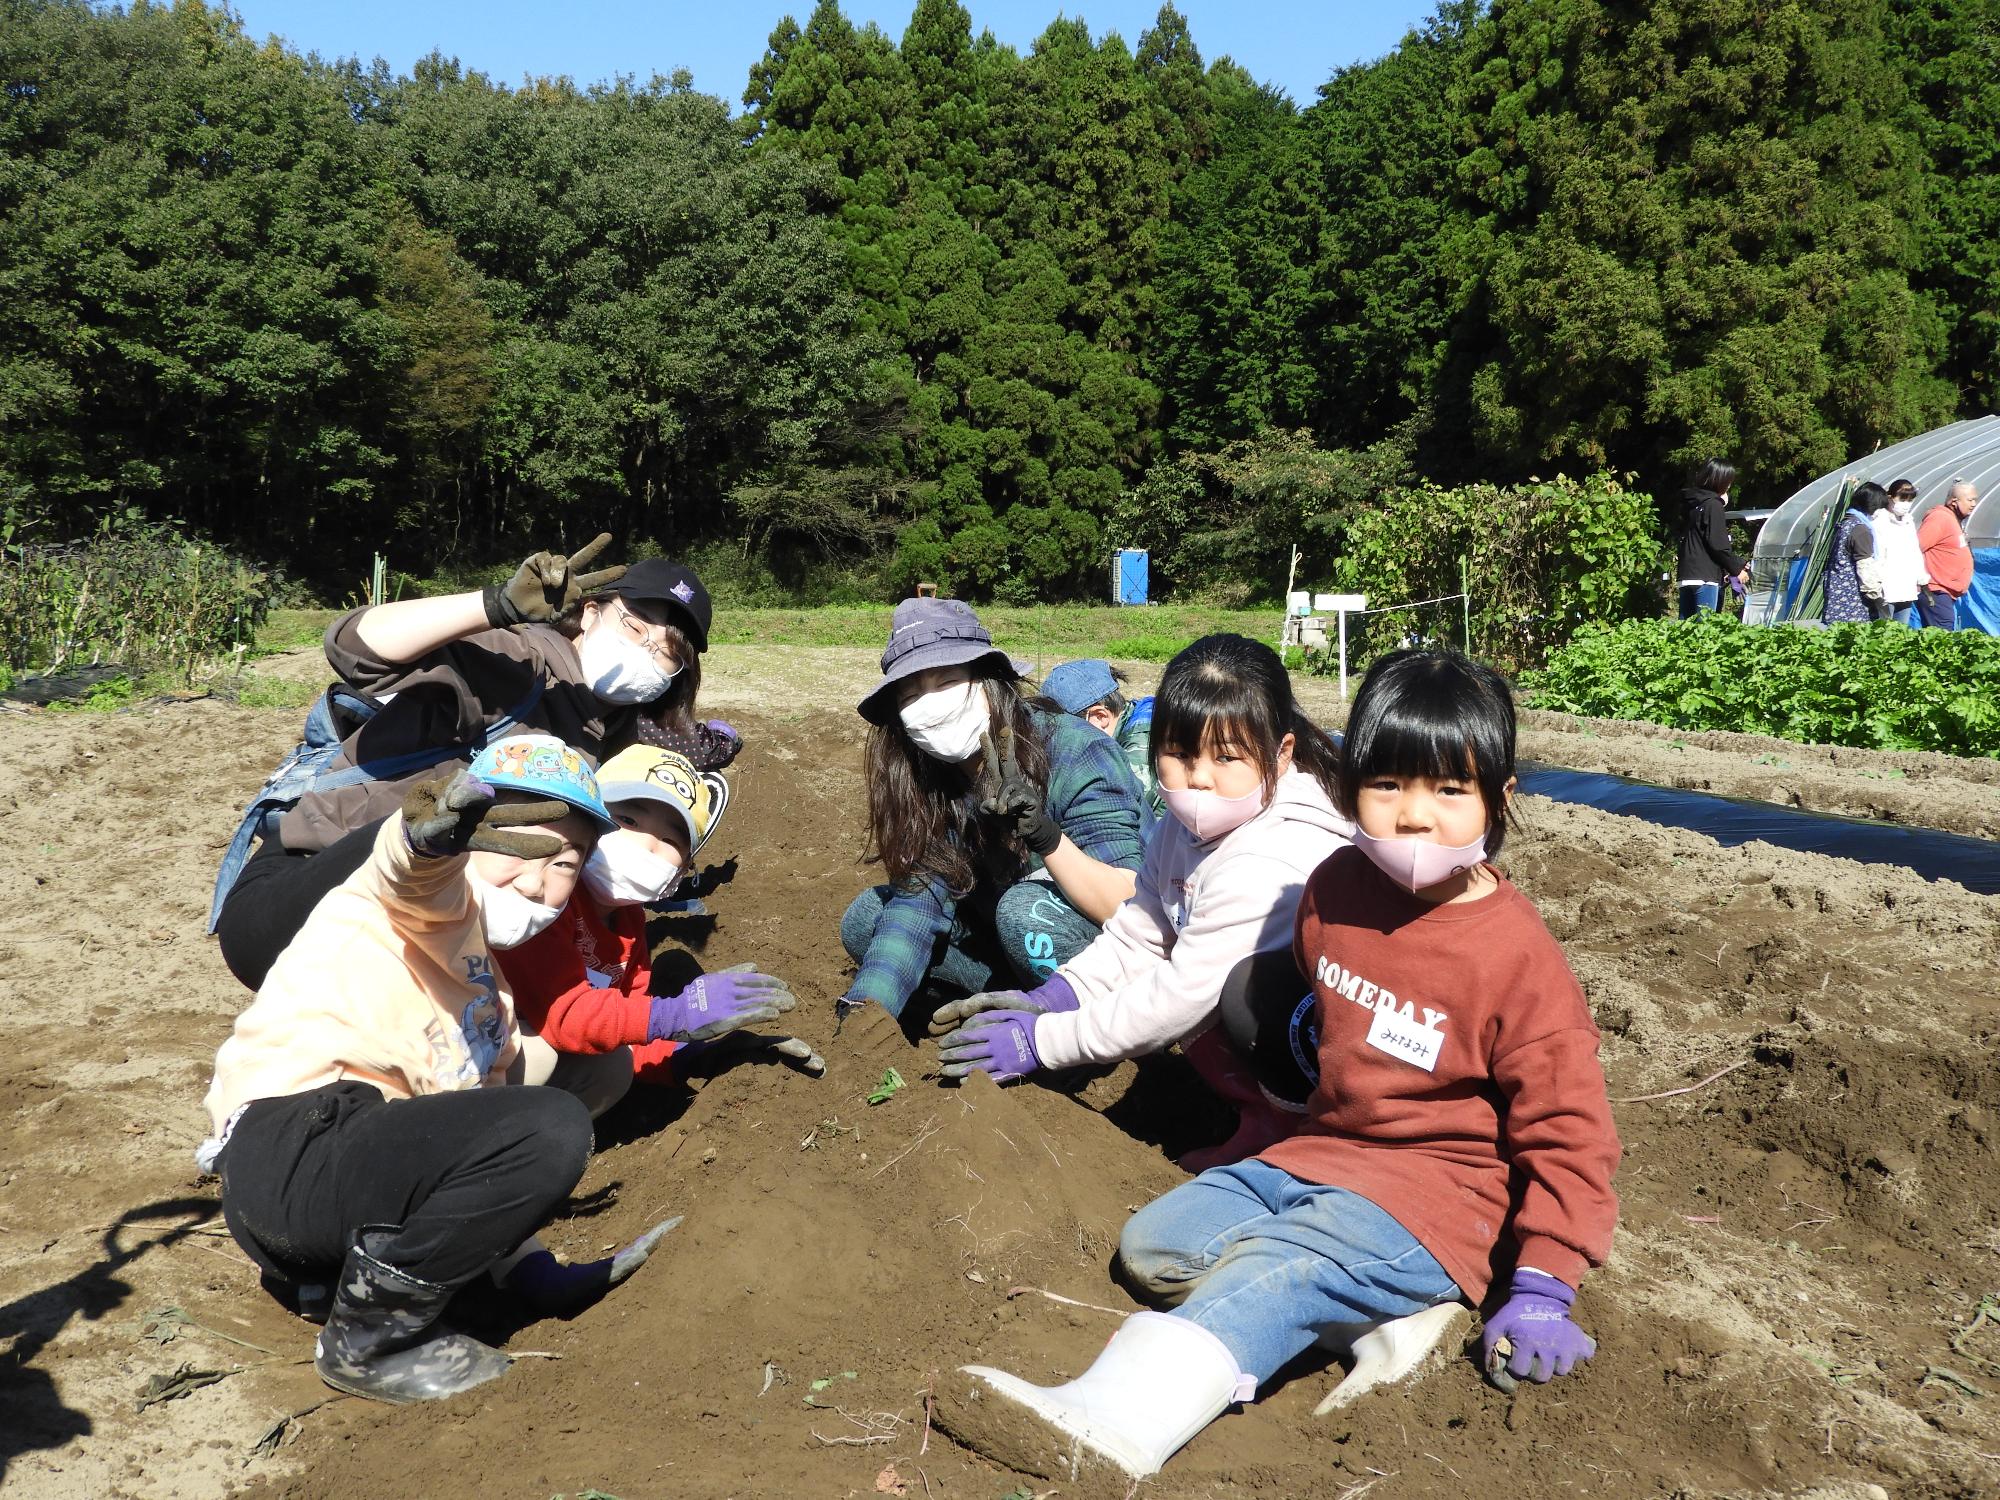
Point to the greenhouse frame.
(1932, 461)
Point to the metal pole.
(1343, 654)
(1285, 614)
(1465, 594)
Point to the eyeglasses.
(639, 633)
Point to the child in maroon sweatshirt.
(1458, 1135)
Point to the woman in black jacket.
(1706, 560)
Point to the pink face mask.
(1416, 863)
(1209, 816)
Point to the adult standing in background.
(1853, 591)
(1947, 560)
(1706, 558)
(1897, 553)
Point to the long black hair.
(922, 825)
(1436, 714)
(1230, 690)
(1713, 474)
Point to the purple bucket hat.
(926, 633)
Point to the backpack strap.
(261, 816)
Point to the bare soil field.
(1791, 1308)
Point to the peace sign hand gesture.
(1013, 795)
(548, 586)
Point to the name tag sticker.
(1407, 1038)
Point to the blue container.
(1129, 575)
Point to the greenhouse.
(1785, 551)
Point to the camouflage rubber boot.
(381, 1339)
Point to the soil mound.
(1803, 1047)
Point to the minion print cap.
(647, 773)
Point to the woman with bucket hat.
(1009, 830)
(372, 1160)
(587, 656)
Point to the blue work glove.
(1534, 1322)
(1000, 1042)
(716, 1004)
(1046, 999)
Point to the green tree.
(1950, 51)
(1235, 285)
(1386, 138)
(190, 249)
(1692, 237)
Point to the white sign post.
(1342, 605)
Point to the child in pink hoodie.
(1247, 780)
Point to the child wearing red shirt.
(583, 985)
(1459, 1134)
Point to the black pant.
(275, 894)
(1267, 1012)
(468, 1175)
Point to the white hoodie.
(1155, 973)
(1899, 556)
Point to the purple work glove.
(731, 746)
(716, 1004)
(1535, 1322)
(1000, 1042)
(1046, 999)
(551, 1286)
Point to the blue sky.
(1292, 43)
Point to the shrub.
(1546, 559)
(140, 593)
(1873, 686)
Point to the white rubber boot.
(1158, 1382)
(1399, 1349)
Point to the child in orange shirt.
(1459, 1133)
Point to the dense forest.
(926, 307)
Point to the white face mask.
(622, 871)
(619, 670)
(947, 724)
(1899, 508)
(509, 917)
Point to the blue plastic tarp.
(1980, 608)
(1974, 863)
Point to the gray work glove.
(547, 586)
(450, 814)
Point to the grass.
(1046, 634)
(1151, 632)
(291, 630)
(251, 689)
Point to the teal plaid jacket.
(1091, 793)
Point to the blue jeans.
(1937, 609)
(1268, 1262)
(1904, 614)
(1696, 597)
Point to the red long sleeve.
(555, 996)
(1456, 1053)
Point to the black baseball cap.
(673, 584)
